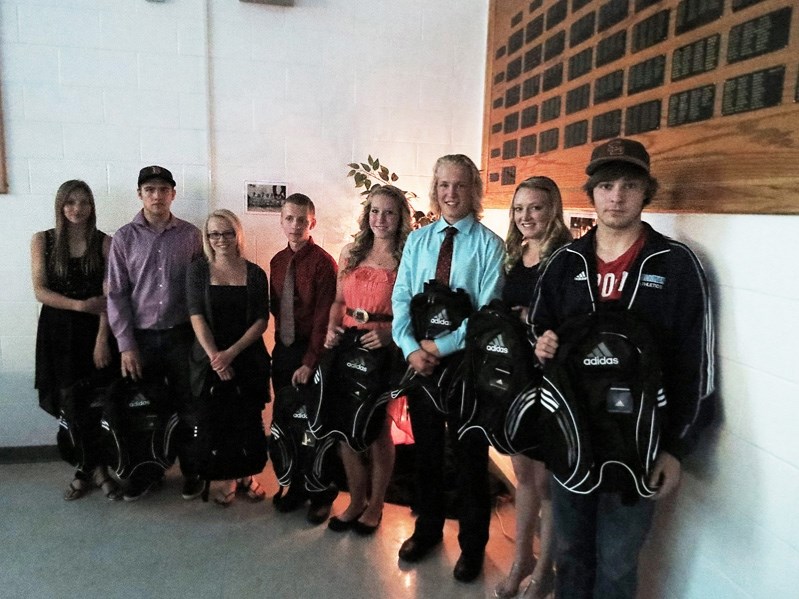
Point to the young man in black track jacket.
(624, 264)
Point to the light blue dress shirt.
(476, 268)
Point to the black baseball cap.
(618, 150)
(155, 172)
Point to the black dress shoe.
(365, 530)
(415, 548)
(289, 502)
(468, 567)
(318, 513)
(336, 524)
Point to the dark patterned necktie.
(287, 307)
(444, 264)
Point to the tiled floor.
(163, 546)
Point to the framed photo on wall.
(264, 197)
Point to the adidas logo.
(139, 401)
(581, 277)
(358, 364)
(300, 414)
(600, 356)
(441, 318)
(497, 345)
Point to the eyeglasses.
(216, 235)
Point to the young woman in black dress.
(73, 339)
(536, 229)
(228, 299)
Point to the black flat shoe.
(414, 549)
(468, 567)
(336, 524)
(365, 530)
(318, 513)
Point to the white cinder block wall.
(222, 92)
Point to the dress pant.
(598, 539)
(471, 463)
(165, 354)
(285, 361)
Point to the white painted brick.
(269, 117)
(23, 63)
(193, 111)
(141, 108)
(102, 142)
(18, 351)
(231, 39)
(17, 319)
(59, 26)
(98, 68)
(131, 30)
(181, 145)
(35, 140)
(233, 112)
(18, 176)
(192, 39)
(259, 79)
(13, 102)
(63, 104)
(48, 175)
(186, 74)
(9, 25)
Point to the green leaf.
(376, 164)
(370, 160)
(354, 165)
(394, 177)
(351, 173)
(383, 176)
(365, 193)
(368, 184)
(366, 167)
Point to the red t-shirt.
(611, 276)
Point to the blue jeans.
(598, 539)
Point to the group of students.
(151, 294)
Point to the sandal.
(509, 587)
(253, 489)
(77, 489)
(225, 496)
(107, 485)
(540, 588)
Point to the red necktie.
(287, 306)
(444, 264)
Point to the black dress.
(65, 339)
(520, 284)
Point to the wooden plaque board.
(710, 87)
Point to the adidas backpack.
(499, 363)
(350, 382)
(139, 418)
(438, 310)
(602, 403)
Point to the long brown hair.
(92, 260)
(364, 239)
(556, 233)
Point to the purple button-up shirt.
(147, 277)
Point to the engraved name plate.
(753, 91)
(698, 57)
(691, 106)
(548, 140)
(759, 36)
(607, 125)
(646, 75)
(642, 117)
(575, 134)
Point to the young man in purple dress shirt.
(147, 301)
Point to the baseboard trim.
(28, 454)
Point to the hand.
(423, 362)
(131, 364)
(333, 337)
(522, 311)
(93, 305)
(226, 374)
(665, 475)
(546, 346)
(376, 339)
(102, 354)
(222, 360)
(430, 347)
(302, 375)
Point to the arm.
(689, 360)
(102, 349)
(92, 305)
(338, 306)
(325, 292)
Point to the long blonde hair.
(364, 239)
(556, 232)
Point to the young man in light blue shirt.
(476, 267)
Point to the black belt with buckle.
(360, 315)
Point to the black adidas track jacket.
(667, 289)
